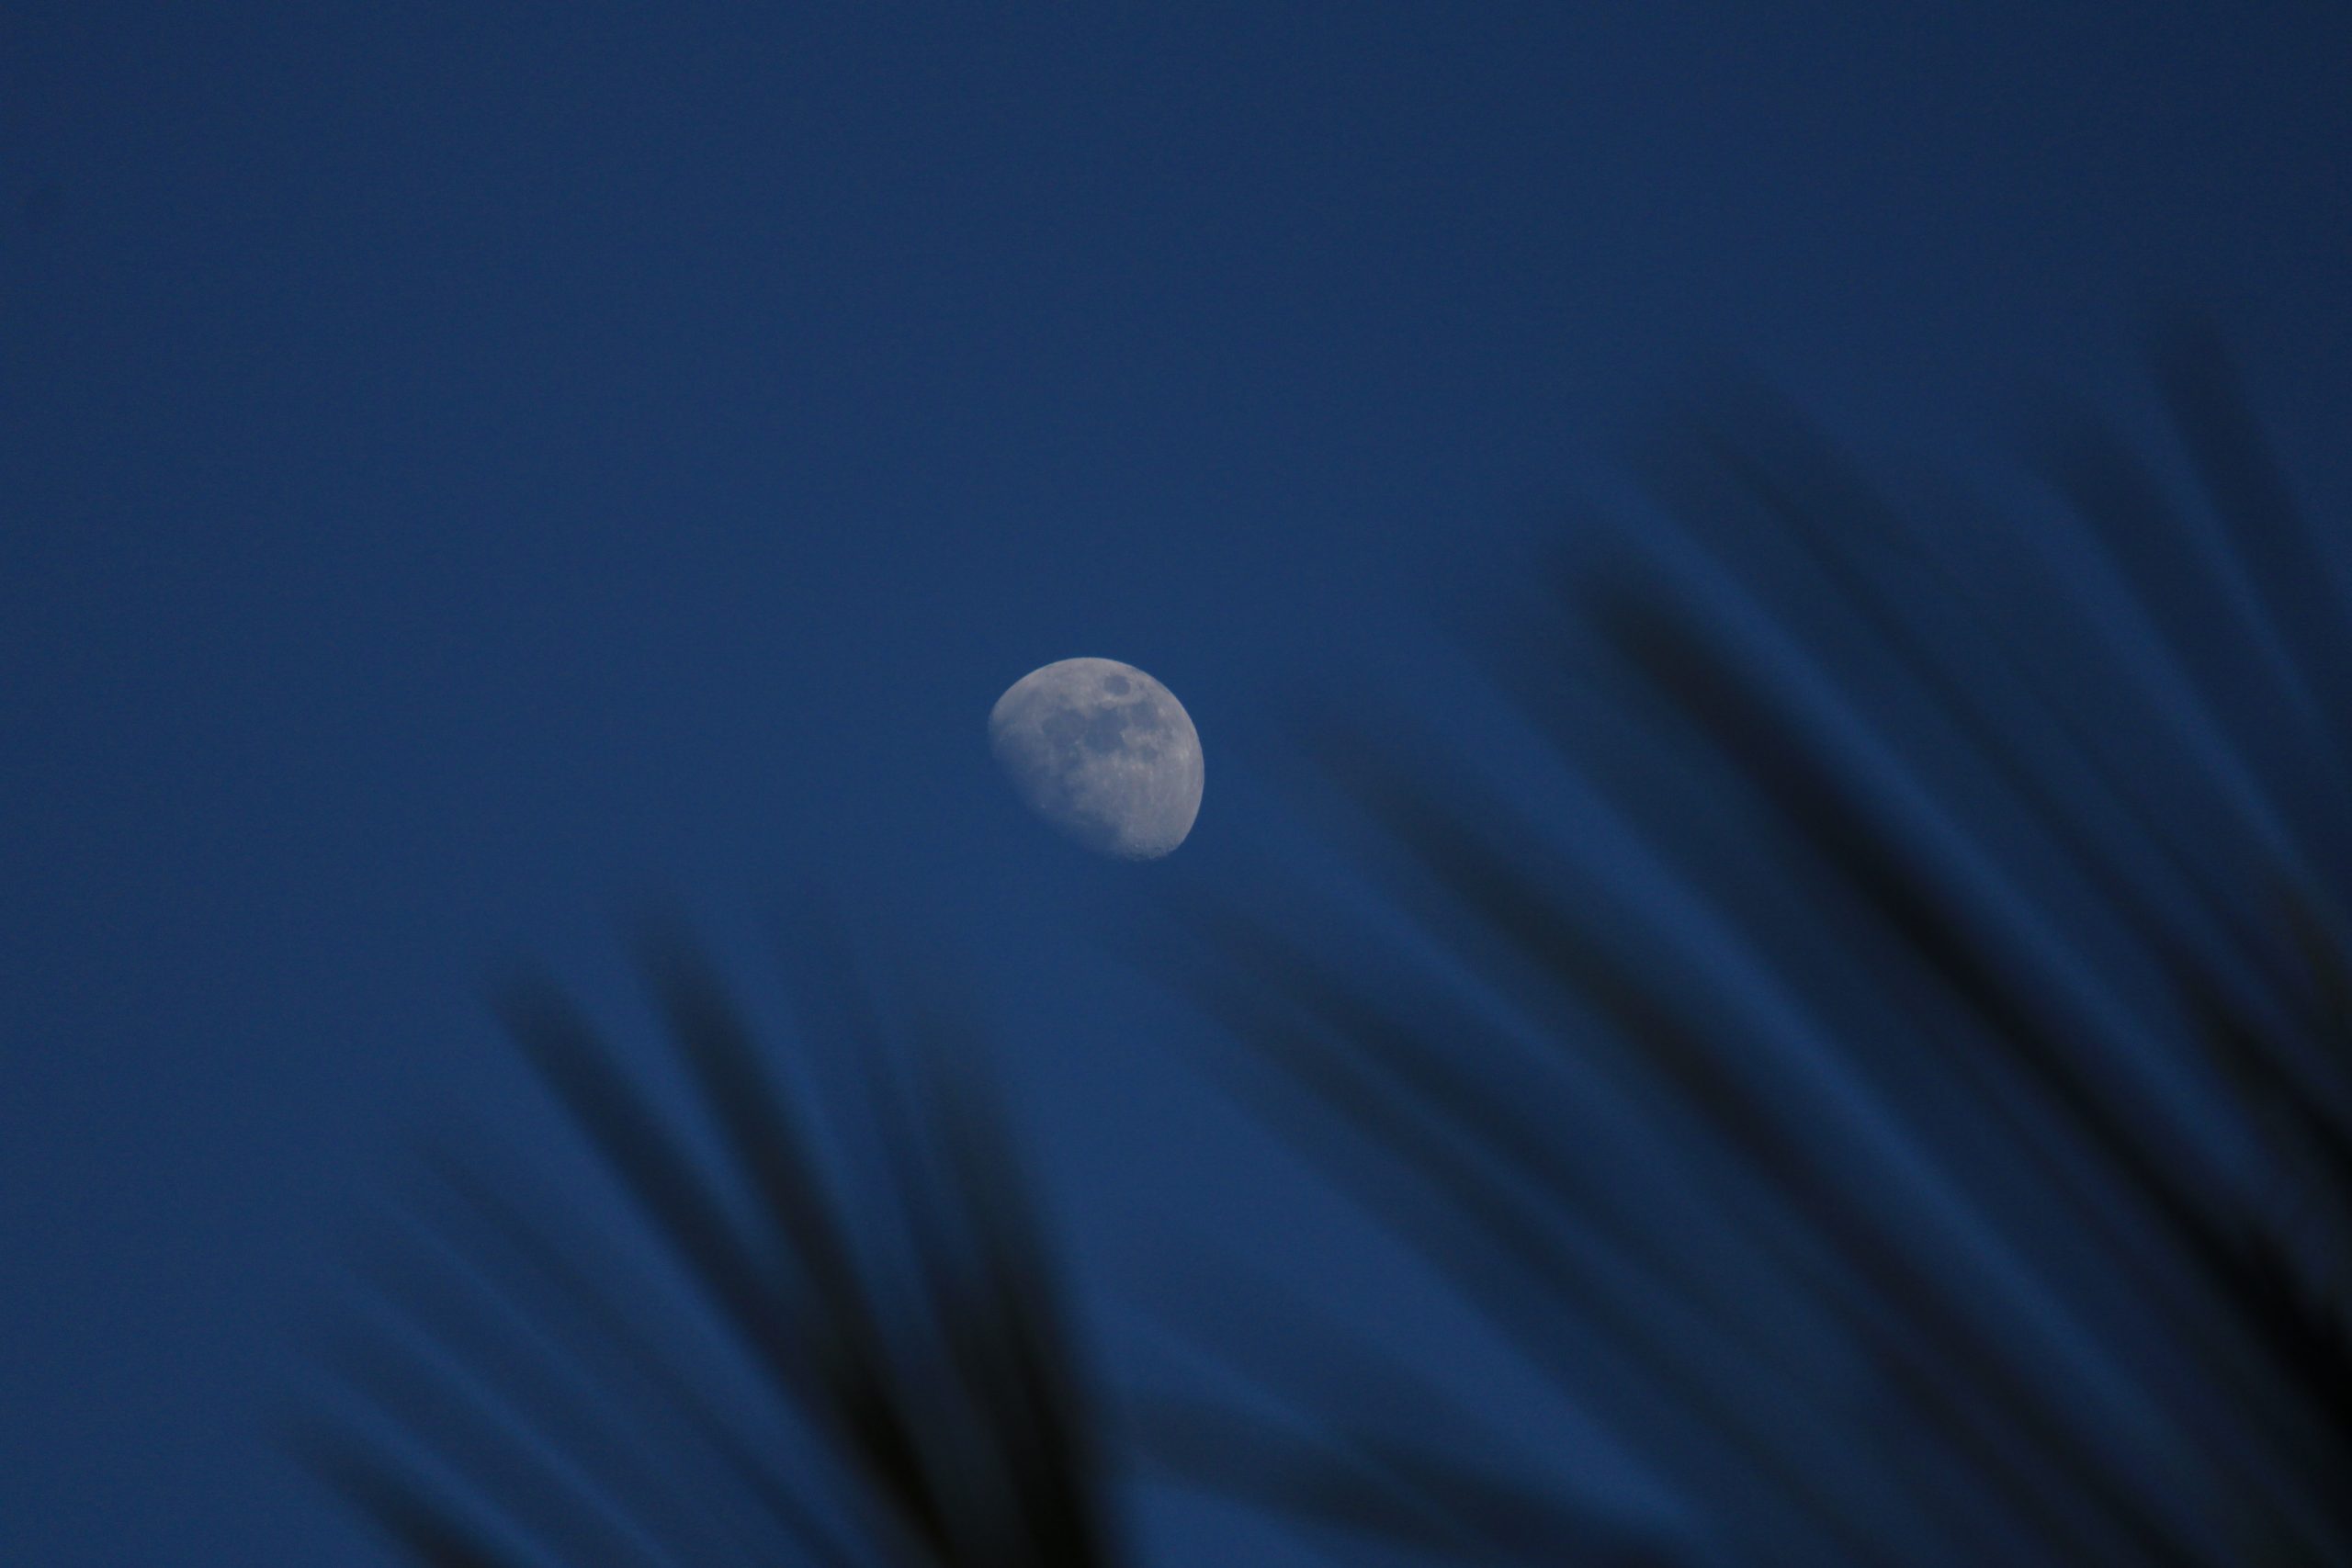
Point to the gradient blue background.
(461, 466)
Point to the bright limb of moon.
(1103, 752)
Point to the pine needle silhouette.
(902, 1388)
(1899, 1079)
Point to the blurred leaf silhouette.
(1894, 1077)
(1899, 1079)
(519, 1403)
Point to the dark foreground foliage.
(1893, 1079)
(1898, 1076)
(836, 1378)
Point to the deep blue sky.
(459, 466)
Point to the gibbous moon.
(1103, 752)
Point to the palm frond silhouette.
(1897, 1074)
(1891, 1076)
(523, 1404)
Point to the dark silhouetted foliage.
(1897, 1078)
(1891, 1074)
(896, 1384)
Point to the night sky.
(467, 471)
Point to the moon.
(1103, 752)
